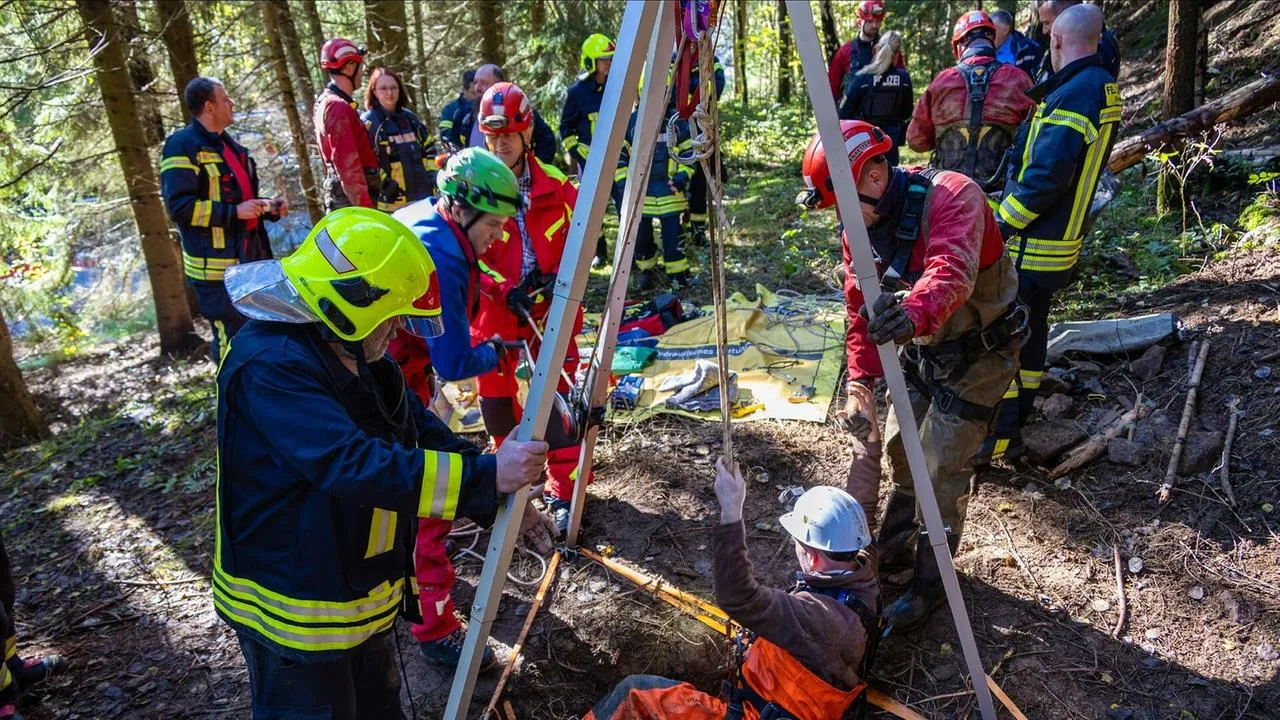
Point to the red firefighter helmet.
(968, 23)
(505, 109)
(862, 141)
(871, 10)
(338, 53)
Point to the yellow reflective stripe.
(219, 239)
(647, 263)
(382, 532)
(397, 174)
(6, 679)
(570, 142)
(179, 162)
(201, 213)
(620, 174)
(1030, 379)
(378, 599)
(312, 639)
(1075, 121)
(441, 485)
(1014, 213)
(559, 223)
(215, 181)
(1110, 115)
(484, 267)
(205, 157)
(1088, 182)
(697, 217)
(676, 266)
(10, 646)
(446, 124)
(1001, 447)
(205, 268)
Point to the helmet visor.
(260, 290)
(423, 327)
(494, 122)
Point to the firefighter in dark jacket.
(325, 463)
(1014, 48)
(698, 183)
(578, 118)
(17, 674)
(880, 93)
(210, 188)
(405, 147)
(969, 113)
(465, 132)
(465, 97)
(1055, 165)
(1108, 46)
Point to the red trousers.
(435, 576)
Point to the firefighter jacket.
(1020, 51)
(1108, 49)
(695, 80)
(345, 149)
(1055, 164)
(668, 175)
(447, 133)
(201, 194)
(452, 355)
(406, 155)
(944, 121)
(578, 119)
(959, 278)
(544, 138)
(849, 59)
(320, 477)
(546, 222)
(882, 100)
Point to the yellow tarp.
(788, 351)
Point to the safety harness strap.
(910, 224)
(976, 78)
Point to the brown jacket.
(825, 636)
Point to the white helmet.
(829, 519)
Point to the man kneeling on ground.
(808, 647)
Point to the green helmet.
(478, 179)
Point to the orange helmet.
(971, 22)
(338, 53)
(504, 109)
(871, 10)
(862, 141)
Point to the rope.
(473, 531)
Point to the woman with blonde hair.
(880, 93)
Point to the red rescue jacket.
(945, 102)
(344, 143)
(958, 238)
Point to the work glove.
(519, 302)
(891, 321)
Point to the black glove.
(891, 321)
(499, 347)
(519, 302)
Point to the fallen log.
(1086, 452)
(1242, 101)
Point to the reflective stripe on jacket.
(201, 194)
(668, 177)
(316, 488)
(578, 119)
(406, 154)
(1055, 163)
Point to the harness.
(977, 80)
(960, 352)
(742, 694)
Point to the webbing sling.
(895, 258)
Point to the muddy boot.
(896, 532)
(925, 594)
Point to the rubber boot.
(896, 531)
(925, 594)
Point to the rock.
(1268, 652)
(1196, 592)
(1091, 386)
(1136, 565)
(1100, 605)
(1201, 452)
(1123, 452)
(1148, 366)
(702, 566)
(1057, 380)
(597, 586)
(1154, 633)
(1058, 406)
(1045, 441)
(1238, 608)
(1262, 373)
(1086, 368)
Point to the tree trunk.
(1179, 82)
(312, 15)
(830, 36)
(1257, 95)
(537, 17)
(180, 43)
(20, 421)
(741, 29)
(293, 52)
(271, 18)
(388, 37)
(489, 16)
(784, 54)
(424, 95)
(173, 317)
(1202, 57)
(140, 72)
